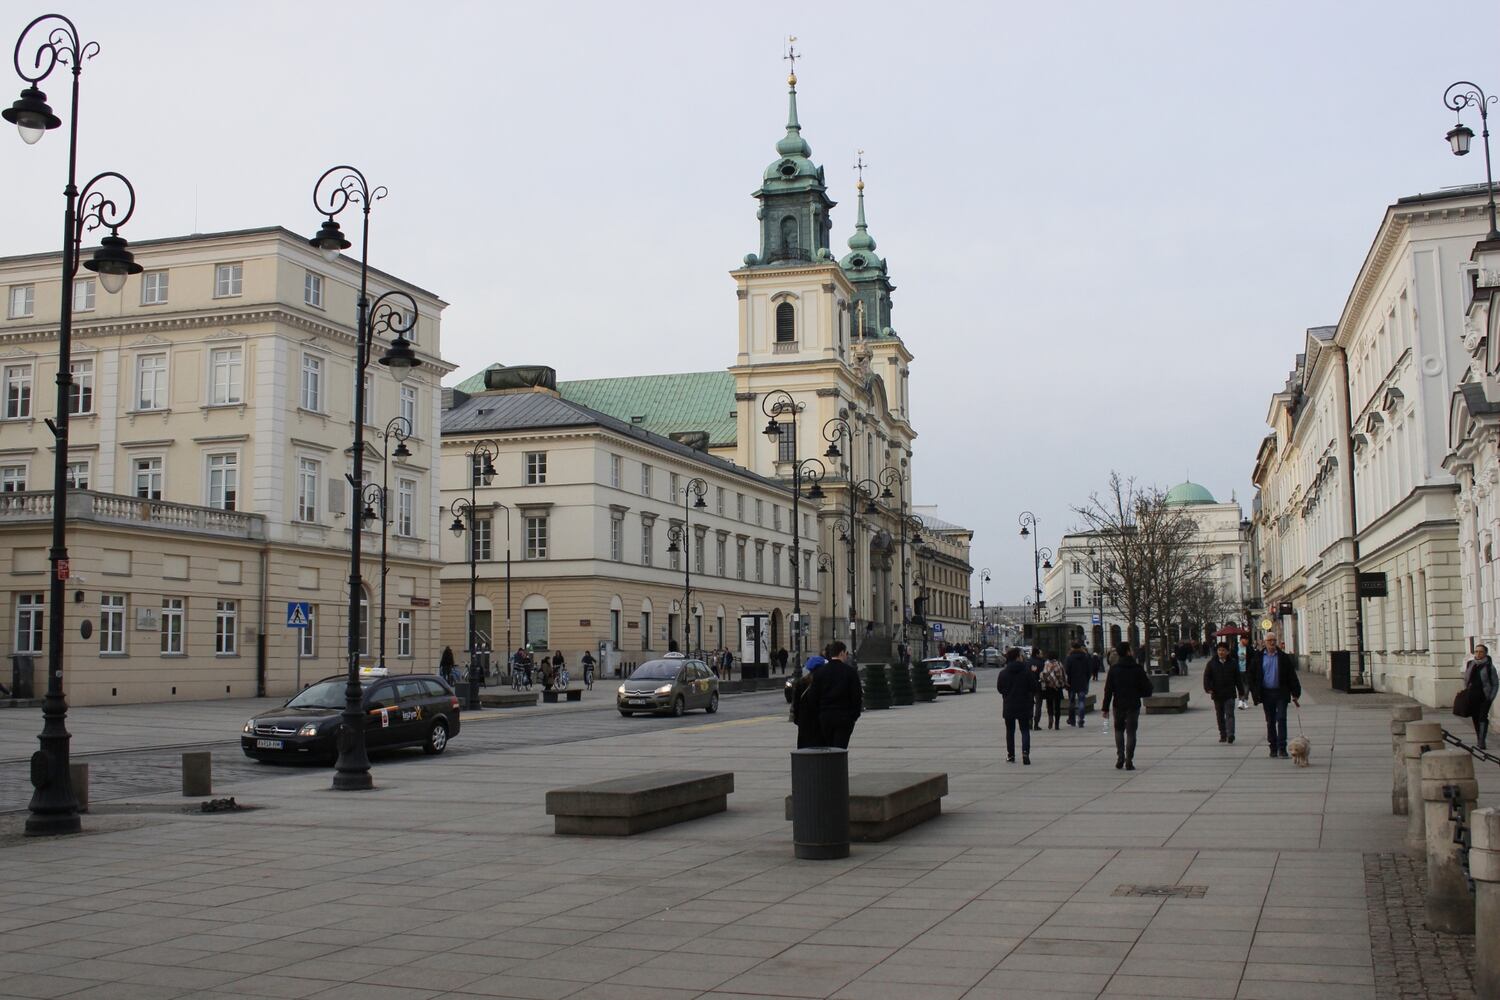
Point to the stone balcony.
(35, 506)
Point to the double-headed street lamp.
(773, 405)
(397, 429)
(984, 623)
(890, 476)
(1458, 96)
(1041, 559)
(53, 806)
(678, 540)
(838, 429)
(465, 511)
(336, 190)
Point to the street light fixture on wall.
(53, 806)
(678, 541)
(481, 466)
(1458, 96)
(336, 190)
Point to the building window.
(229, 279)
(786, 443)
(807, 565)
(173, 621)
(112, 623)
(616, 540)
(406, 507)
(476, 469)
(312, 290)
(148, 478)
(364, 622)
(409, 408)
(614, 471)
(83, 295)
(760, 562)
(78, 475)
(312, 383)
(698, 554)
(760, 512)
(776, 516)
(719, 500)
(645, 480)
(17, 391)
(228, 376)
(674, 553)
(154, 288)
(648, 530)
(81, 392)
(1077, 566)
(536, 468)
(739, 507)
(645, 630)
(1077, 598)
(536, 536)
(776, 565)
(22, 301)
(534, 623)
(151, 382)
(403, 634)
(223, 481)
(482, 539)
(721, 560)
(30, 611)
(786, 323)
(368, 411)
(309, 639)
(674, 485)
(12, 478)
(225, 629)
(309, 470)
(739, 560)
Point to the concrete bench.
(886, 803)
(506, 699)
(1160, 704)
(620, 807)
(571, 694)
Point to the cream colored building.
(578, 518)
(942, 574)
(210, 441)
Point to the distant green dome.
(1187, 494)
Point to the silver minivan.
(672, 684)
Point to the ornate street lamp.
(984, 622)
(1458, 96)
(1028, 526)
(397, 429)
(336, 190)
(678, 540)
(53, 806)
(465, 510)
(773, 405)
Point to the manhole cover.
(1180, 891)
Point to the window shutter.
(336, 496)
(786, 323)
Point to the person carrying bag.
(1474, 700)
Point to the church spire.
(792, 144)
(861, 240)
(867, 271)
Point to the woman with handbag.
(1481, 685)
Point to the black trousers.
(1053, 698)
(1126, 719)
(1010, 735)
(1479, 711)
(836, 730)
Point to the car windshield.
(324, 694)
(657, 670)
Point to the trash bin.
(461, 692)
(820, 803)
(1161, 683)
(22, 676)
(1338, 669)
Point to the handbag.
(1461, 703)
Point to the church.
(817, 400)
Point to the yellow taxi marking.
(754, 720)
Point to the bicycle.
(588, 676)
(520, 677)
(560, 679)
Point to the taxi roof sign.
(674, 655)
(374, 672)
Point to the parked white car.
(953, 672)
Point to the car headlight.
(664, 689)
(621, 691)
(249, 727)
(311, 729)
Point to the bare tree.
(1115, 567)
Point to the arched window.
(786, 323)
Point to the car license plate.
(268, 744)
(640, 701)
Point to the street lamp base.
(353, 781)
(53, 824)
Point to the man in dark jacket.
(804, 713)
(1079, 667)
(1019, 688)
(1125, 685)
(1036, 663)
(1222, 683)
(1274, 682)
(835, 697)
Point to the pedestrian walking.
(1125, 685)
(836, 696)
(803, 713)
(1080, 667)
(1054, 679)
(1274, 682)
(1018, 685)
(1223, 682)
(446, 665)
(1035, 663)
(1483, 684)
(727, 664)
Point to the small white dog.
(1299, 748)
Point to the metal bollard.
(1448, 795)
(198, 773)
(78, 774)
(1400, 716)
(820, 803)
(1421, 737)
(1484, 869)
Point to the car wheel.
(626, 714)
(713, 703)
(437, 738)
(678, 707)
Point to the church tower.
(794, 202)
(869, 275)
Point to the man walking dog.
(1273, 683)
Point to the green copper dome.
(1189, 494)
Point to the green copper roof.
(1187, 494)
(665, 404)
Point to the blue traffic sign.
(298, 614)
(1097, 621)
(937, 628)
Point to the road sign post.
(298, 616)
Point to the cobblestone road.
(1411, 962)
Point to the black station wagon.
(406, 710)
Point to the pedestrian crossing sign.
(297, 614)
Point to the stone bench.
(886, 803)
(506, 699)
(620, 807)
(1160, 704)
(571, 694)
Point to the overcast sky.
(1109, 223)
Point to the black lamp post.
(1028, 525)
(678, 540)
(838, 429)
(336, 190)
(1458, 96)
(773, 405)
(891, 476)
(399, 429)
(465, 511)
(53, 806)
(920, 580)
(984, 622)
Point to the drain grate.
(1180, 891)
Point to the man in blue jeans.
(1273, 683)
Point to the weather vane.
(791, 57)
(859, 167)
